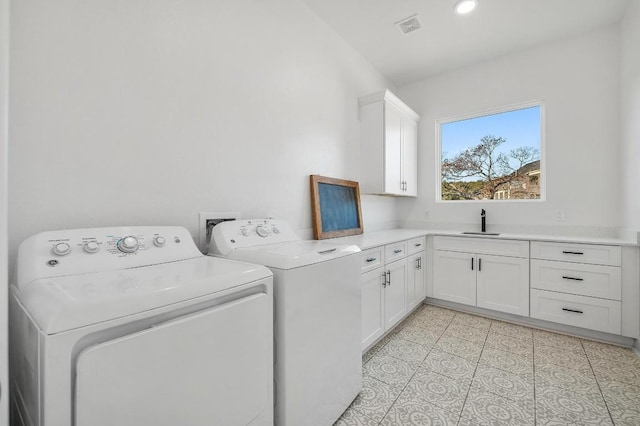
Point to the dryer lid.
(64, 303)
(294, 254)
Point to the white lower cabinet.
(394, 293)
(416, 283)
(372, 305)
(492, 274)
(393, 288)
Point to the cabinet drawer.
(371, 259)
(513, 248)
(576, 278)
(578, 311)
(416, 245)
(581, 253)
(395, 251)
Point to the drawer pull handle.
(572, 278)
(572, 252)
(396, 251)
(418, 244)
(472, 263)
(384, 277)
(371, 259)
(389, 278)
(575, 311)
(327, 251)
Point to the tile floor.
(442, 367)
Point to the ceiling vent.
(409, 24)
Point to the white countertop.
(377, 238)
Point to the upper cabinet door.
(410, 156)
(393, 158)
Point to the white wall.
(630, 124)
(149, 112)
(4, 86)
(578, 79)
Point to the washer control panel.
(233, 234)
(76, 251)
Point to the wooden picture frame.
(335, 206)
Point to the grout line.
(597, 383)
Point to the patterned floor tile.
(623, 372)
(459, 347)
(388, 369)
(468, 320)
(485, 408)
(561, 357)
(423, 336)
(555, 406)
(507, 385)
(352, 417)
(509, 344)
(597, 350)
(436, 311)
(565, 378)
(407, 411)
(466, 333)
(435, 324)
(375, 398)
(511, 330)
(623, 401)
(439, 390)
(405, 350)
(506, 361)
(449, 365)
(547, 338)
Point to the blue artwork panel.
(338, 207)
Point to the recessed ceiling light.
(463, 7)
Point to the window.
(492, 156)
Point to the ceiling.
(448, 41)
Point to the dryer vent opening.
(409, 24)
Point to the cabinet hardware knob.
(572, 278)
(571, 252)
(575, 311)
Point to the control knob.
(91, 247)
(261, 230)
(245, 232)
(61, 249)
(159, 241)
(128, 244)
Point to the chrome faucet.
(483, 215)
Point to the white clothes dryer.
(318, 367)
(133, 326)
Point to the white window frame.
(492, 111)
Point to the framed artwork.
(335, 205)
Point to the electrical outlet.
(212, 218)
(560, 216)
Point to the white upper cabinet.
(389, 145)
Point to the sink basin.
(481, 233)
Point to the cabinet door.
(394, 293)
(454, 277)
(503, 284)
(410, 156)
(372, 306)
(392, 150)
(416, 291)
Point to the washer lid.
(294, 254)
(64, 303)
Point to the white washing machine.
(133, 326)
(318, 366)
